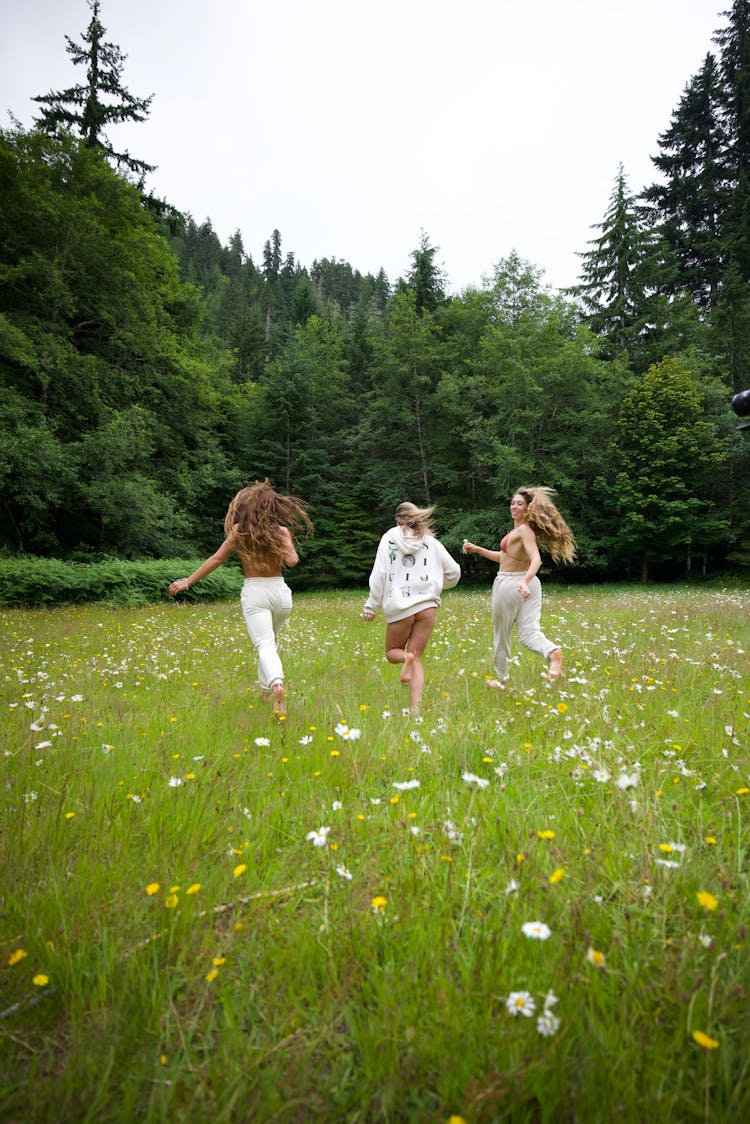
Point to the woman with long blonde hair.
(517, 591)
(411, 570)
(259, 526)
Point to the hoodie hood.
(407, 544)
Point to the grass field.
(529, 906)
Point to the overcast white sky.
(351, 125)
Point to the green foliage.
(35, 581)
(663, 456)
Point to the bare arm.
(181, 585)
(528, 538)
(289, 554)
(472, 548)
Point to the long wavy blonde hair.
(417, 520)
(548, 524)
(253, 520)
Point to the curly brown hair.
(548, 524)
(253, 520)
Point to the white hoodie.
(409, 574)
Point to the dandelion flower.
(40, 980)
(707, 900)
(546, 834)
(240, 869)
(537, 930)
(379, 903)
(194, 888)
(596, 958)
(15, 957)
(520, 1003)
(557, 875)
(152, 888)
(211, 976)
(704, 1040)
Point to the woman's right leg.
(506, 602)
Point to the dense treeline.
(147, 371)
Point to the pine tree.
(618, 274)
(691, 200)
(89, 108)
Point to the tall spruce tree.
(618, 273)
(89, 107)
(690, 201)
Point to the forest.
(147, 371)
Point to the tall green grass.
(198, 956)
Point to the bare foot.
(499, 684)
(279, 700)
(408, 668)
(555, 665)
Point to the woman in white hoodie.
(410, 572)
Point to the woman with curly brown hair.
(259, 526)
(517, 591)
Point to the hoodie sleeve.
(377, 578)
(451, 569)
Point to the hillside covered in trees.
(147, 371)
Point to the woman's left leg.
(530, 633)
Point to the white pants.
(266, 605)
(509, 608)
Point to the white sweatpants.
(509, 608)
(266, 605)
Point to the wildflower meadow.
(528, 905)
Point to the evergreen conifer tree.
(89, 108)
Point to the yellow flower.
(520, 857)
(69, 815)
(15, 957)
(456, 1120)
(704, 1041)
(667, 847)
(238, 870)
(194, 888)
(708, 901)
(379, 903)
(562, 707)
(219, 960)
(557, 875)
(743, 791)
(40, 980)
(595, 957)
(211, 976)
(152, 888)
(171, 901)
(546, 834)
(162, 1059)
(709, 839)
